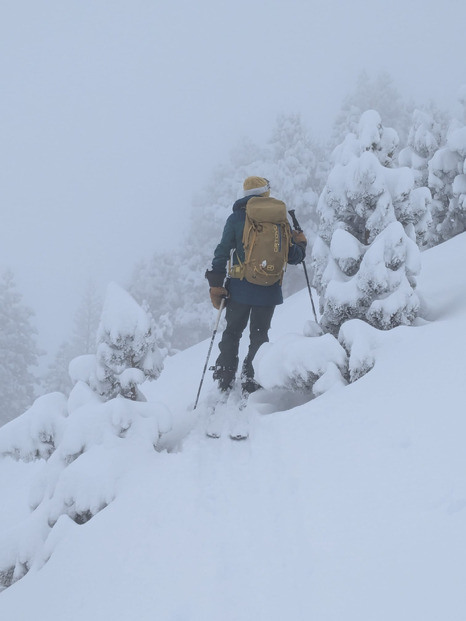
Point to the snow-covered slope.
(349, 507)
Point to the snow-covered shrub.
(85, 455)
(36, 433)
(298, 362)
(364, 262)
(89, 440)
(127, 353)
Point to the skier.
(245, 300)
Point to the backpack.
(266, 241)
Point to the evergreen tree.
(424, 139)
(18, 351)
(427, 135)
(364, 262)
(127, 353)
(448, 178)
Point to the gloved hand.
(217, 294)
(299, 237)
(215, 279)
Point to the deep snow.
(349, 507)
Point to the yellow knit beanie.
(256, 186)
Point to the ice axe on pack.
(299, 229)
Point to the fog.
(114, 113)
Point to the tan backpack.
(266, 241)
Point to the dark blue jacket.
(243, 291)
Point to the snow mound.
(299, 362)
(360, 340)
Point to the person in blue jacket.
(245, 301)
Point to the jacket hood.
(241, 203)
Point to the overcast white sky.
(114, 112)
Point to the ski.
(239, 420)
(216, 417)
(239, 431)
(214, 425)
(230, 406)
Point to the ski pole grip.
(295, 220)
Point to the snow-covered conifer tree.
(18, 351)
(447, 181)
(127, 353)
(364, 262)
(425, 137)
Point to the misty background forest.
(417, 148)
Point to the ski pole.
(222, 306)
(298, 228)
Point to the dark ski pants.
(237, 317)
